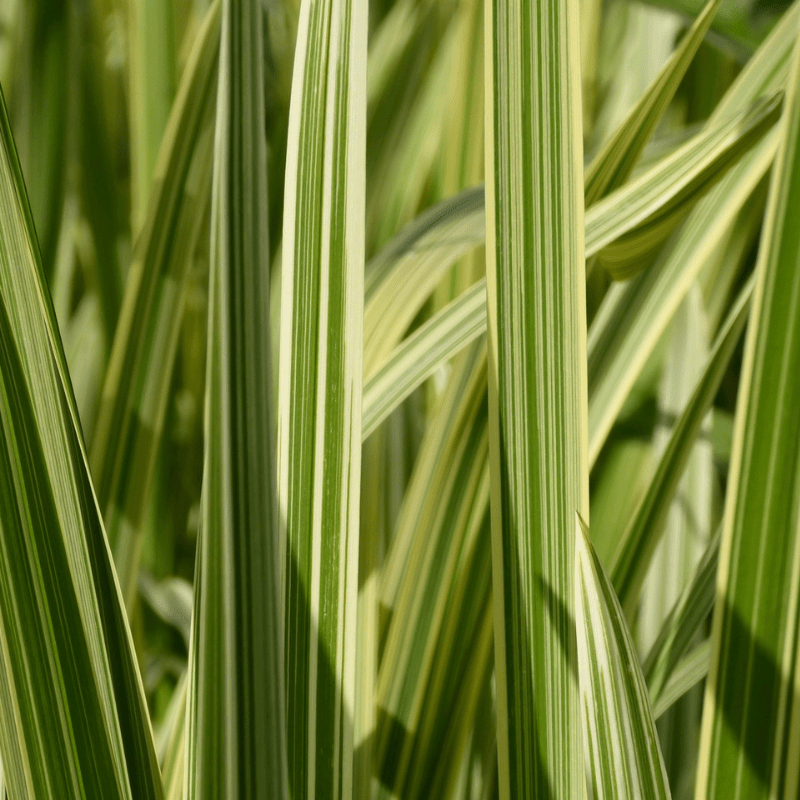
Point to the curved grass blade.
(451, 517)
(537, 385)
(750, 745)
(236, 738)
(735, 29)
(134, 400)
(633, 317)
(405, 273)
(631, 561)
(683, 623)
(433, 469)
(74, 721)
(320, 390)
(685, 675)
(689, 173)
(618, 723)
(449, 331)
(612, 166)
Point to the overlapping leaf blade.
(236, 741)
(749, 744)
(619, 728)
(134, 400)
(74, 720)
(320, 388)
(633, 317)
(537, 385)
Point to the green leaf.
(683, 623)
(611, 167)
(320, 390)
(236, 740)
(739, 28)
(619, 728)
(633, 317)
(686, 674)
(749, 744)
(152, 81)
(537, 385)
(631, 561)
(134, 401)
(39, 102)
(405, 272)
(73, 718)
(448, 332)
(651, 206)
(440, 521)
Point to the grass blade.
(134, 401)
(619, 727)
(152, 81)
(633, 317)
(611, 167)
(683, 623)
(320, 387)
(236, 741)
(749, 741)
(651, 206)
(537, 385)
(449, 331)
(628, 567)
(685, 675)
(74, 722)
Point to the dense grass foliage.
(399, 399)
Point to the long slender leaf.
(633, 317)
(452, 329)
(151, 44)
(320, 388)
(406, 271)
(685, 675)
(750, 742)
(685, 620)
(628, 567)
(611, 167)
(236, 739)
(618, 724)
(134, 401)
(537, 385)
(74, 722)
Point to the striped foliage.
(750, 723)
(236, 744)
(320, 388)
(74, 722)
(537, 388)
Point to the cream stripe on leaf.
(320, 388)
(537, 385)
(619, 728)
(611, 167)
(629, 564)
(236, 741)
(750, 740)
(642, 211)
(633, 316)
(134, 400)
(73, 717)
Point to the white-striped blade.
(619, 729)
(750, 741)
(537, 385)
(320, 389)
